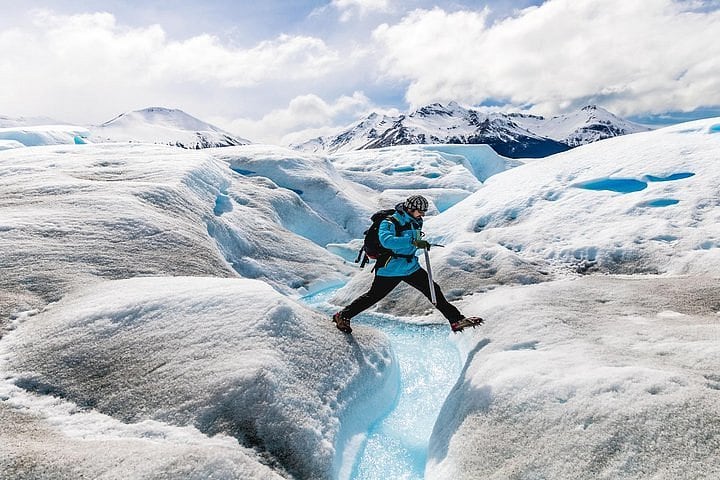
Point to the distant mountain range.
(163, 126)
(512, 135)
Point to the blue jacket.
(400, 266)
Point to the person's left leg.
(419, 280)
(379, 289)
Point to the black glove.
(424, 244)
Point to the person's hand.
(424, 244)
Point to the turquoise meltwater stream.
(429, 362)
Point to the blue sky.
(281, 71)
(251, 21)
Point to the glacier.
(153, 322)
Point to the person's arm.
(389, 239)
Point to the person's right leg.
(419, 280)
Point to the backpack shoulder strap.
(394, 221)
(398, 227)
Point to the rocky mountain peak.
(510, 134)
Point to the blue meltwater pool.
(396, 445)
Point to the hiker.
(401, 234)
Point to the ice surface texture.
(225, 356)
(574, 375)
(599, 377)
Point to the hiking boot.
(464, 323)
(342, 323)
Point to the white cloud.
(350, 8)
(88, 64)
(632, 57)
(288, 58)
(305, 117)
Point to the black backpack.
(372, 249)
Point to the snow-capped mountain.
(163, 126)
(587, 125)
(512, 135)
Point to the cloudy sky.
(285, 70)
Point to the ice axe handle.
(433, 299)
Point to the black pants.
(381, 286)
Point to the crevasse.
(393, 443)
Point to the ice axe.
(433, 299)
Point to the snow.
(338, 207)
(163, 126)
(580, 127)
(453, 123)
(551, 216)
(155, 125)
(117, 211)
(444, 173)
(153, 324)
(32, 136)
(8, 144)
(595, 377)
(224, 356)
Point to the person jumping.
(401, 234)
